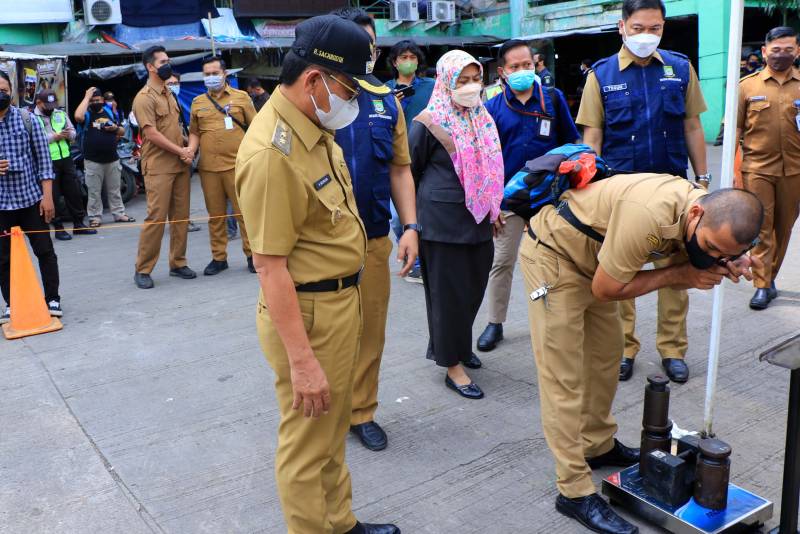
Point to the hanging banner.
(38, 75)
(9, 66)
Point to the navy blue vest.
(644, 112)
(368, 150)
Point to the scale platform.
(745, 511)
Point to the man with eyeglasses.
(309, 247)
(579, 260)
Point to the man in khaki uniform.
(309, 247)
(769, 123)
(219, 119)
(578, 260)
(165, 165)
(640, 109)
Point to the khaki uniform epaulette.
(282, 138)
(749, 76)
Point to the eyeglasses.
(353, 92)
(723, 262)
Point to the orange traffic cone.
(29, 313)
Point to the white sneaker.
(55, 308)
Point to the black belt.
(330, 285)
(566, 213)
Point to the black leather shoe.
(470, 391)
(492, 335)
(183, 272)
(594, 513)
(371, 435)
(143, 281)
(215, 267)
(626, 369)
(61, 235)
(619, 456)
(367, 528)
(761, 299)
(83, 230)
(250, 266)
(473, 362)
(676, 369)
(773, 291)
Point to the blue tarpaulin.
(149, 13)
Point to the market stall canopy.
(5, 54)
(107, 49)
(577, 31)
(107, 73)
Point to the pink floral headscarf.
(469, 135)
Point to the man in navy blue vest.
(375, 147)
(530, 120)
(640, 110)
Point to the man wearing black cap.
(309, 247)
(60, 133)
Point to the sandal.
(125, 218)
(94, 223)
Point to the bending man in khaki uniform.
(219, 120)
(165, 165)
(309, 247)
(587, 255)
(769, 124)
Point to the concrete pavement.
(153, 411)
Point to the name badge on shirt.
(228, 123)
(545, 125)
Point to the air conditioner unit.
(102, 12)
(441, 11)
(403, 10)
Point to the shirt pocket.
(382, 144)
(758, 111)
(330, 212)
(674, 102)
(19, 150)
(448, 196)
(206, 118)
(542, 268)
(162, 114)
(619, 111)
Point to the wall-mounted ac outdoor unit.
(102, 12)
(441, 11)
(403, 10)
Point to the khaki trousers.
(167, 199)
(218, 188)
(576, 342)
(671, 338)
(506, 250)
(312, 476)
(375, 284)
(97, 174)
(781, 199)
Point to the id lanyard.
(545, 120)
(228, 119)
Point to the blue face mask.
(521, 80)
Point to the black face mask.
(164, 71)
(5, 101)
(754, 65)
(780, 62)
(699, 258)
(47, 112)
(96, 108)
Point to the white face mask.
(468, 95)
(214, 82)
(642, 45)
(342, 113)
(176, 89)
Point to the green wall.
(30, 34)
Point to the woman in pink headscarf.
(458, 167)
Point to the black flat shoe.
(183, 272)
(473, 362)
(215, 267)
(470, 391)
(371, 435)
(594, 513)
(619, 456)
(773, 291)
(676, 369)
(61, 235)
(83, 230)
(143, 281)
(250, 266)
(761, 299)
(492, 335)
(626, 369)
(367, 528)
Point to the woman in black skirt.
(458, 167)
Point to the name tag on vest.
(612, 88)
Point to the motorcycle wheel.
(127, 185)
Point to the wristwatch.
(706, 178)
(413, 226)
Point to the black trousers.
(455, 277)
(29, 219)
(66, 185)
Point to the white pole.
(728, 153)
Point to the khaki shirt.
(401, 153)
(159, 109)
(767, 117)
(296, 195)
(642, 216)
(592, 113)
(218, 145)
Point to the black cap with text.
(341, 45)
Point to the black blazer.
(442, 213)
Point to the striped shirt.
(29, 161)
